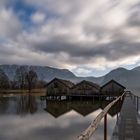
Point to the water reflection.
(86, 107)
(4, 103)
(29, 104)
(51, 120)
(57, 108)
(26, 104)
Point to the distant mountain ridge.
(129, 78)
(44, 72)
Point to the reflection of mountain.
(84, 108)
(26, 104)
(57, 108)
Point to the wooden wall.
(57, 88)
(112, 89)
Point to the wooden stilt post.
(105, 127)
(137, 103)
(117, 118)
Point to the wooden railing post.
(105, 127)
(137, 103)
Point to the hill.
(129, 78)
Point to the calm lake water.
(29, 118)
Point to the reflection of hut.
(112, 88)
(84, 108)
(58, 87)
(86, 88)
(57, 108)
(115, 109)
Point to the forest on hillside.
(24, 79)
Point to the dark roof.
(89, 83)
(113, 81)
(67, 83)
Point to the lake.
(30, 118)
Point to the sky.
(88, 37)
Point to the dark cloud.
(114, 50)
(134, 15)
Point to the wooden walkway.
(128, 122)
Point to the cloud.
(38, 17)
(134, 17)
(9, 24)
(84, 35)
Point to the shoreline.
(22, 92)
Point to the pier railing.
(86, 135)
(136, 99)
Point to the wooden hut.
(85, 88)
(112, 88)
(58, 87)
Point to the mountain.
(9, 70)
(128, 78)
(48, 73)
(44, 73)
(136, 69)
(116, 74)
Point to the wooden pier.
(128, 123)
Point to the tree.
(31, 79)
(20, 77)
(41, 84)
(4, 80)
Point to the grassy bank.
(33, 91)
